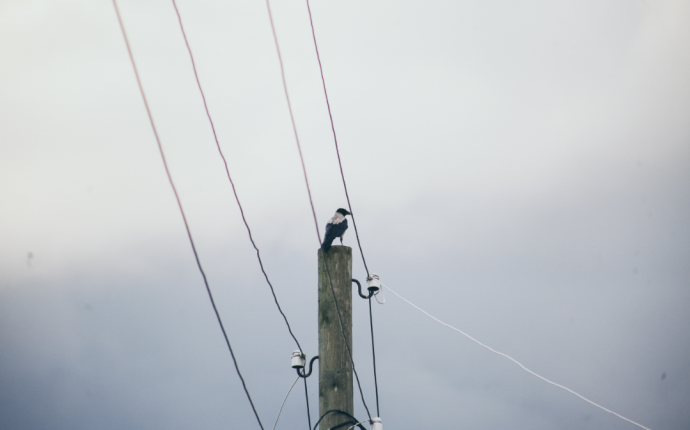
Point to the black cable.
(343, 424)
(311, 201)
(306, 393)
(227, 171)
(373, 353)
(184, 218)
(335, 138)
(347, 195)
(304, 374)
(342, 330)
(338, 411)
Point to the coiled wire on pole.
(338, 411)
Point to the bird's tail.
(326, 245)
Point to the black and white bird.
(335, 227)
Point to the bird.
(335, 227)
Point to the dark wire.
(311, 201)
(335, 138)
(373, 354)
(227, 171)
(292, 117)
(306, 393)
(338, 411)
(342, 330)
(179, 204)
(347, 195)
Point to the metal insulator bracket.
(298, 359)
(373, 284)
(311, 365)
(359, 289)
(376, 424)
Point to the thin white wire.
(384, 296)
(516, 362)
(350, 428)
(281, 406)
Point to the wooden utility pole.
(335, 367)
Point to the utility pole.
(335, 367)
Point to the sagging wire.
(515, 361)
(227, 171)
(311, 201)
(179, 205)
(347, 195)
(306, 394)
(356, 424)
(239, 204)
(373, 355)
(373, 286)
(376, 296)
(283, 404)
(298, 362)
(338, 411)
(342, 329)
(335, 138)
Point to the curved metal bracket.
(359, 289)
(352, 420)
(311, 363)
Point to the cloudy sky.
(519, 169)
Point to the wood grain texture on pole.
(335, 367)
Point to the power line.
(338, 411)
(306, 394)
(347, 196)
(515, 361)
(283, 404)
(292, 117)
(342, 330)
(373, 354)
(311, 201)
(335, 139)
(179, 204)
(227, 171)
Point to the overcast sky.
(519, 169)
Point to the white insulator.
(297, 359)
(376, 424)
(373, 283)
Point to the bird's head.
(342, 212)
